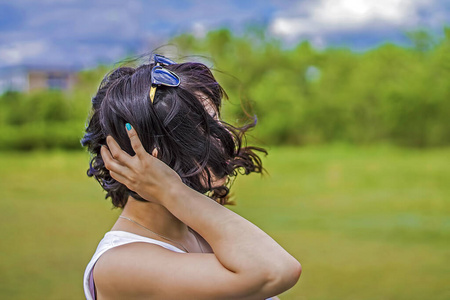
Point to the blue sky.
(84, 33)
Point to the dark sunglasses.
(162, 76)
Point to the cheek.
(215, 181)
(219, 182)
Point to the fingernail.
(128, 126)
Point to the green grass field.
(366, 223)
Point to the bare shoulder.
(117, 270)
(142, 270)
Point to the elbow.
(274, 279)
(296, 272)
(292, 274)
(285, 276)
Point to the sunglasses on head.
(162, 60)
(162, 76)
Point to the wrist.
(172, 192)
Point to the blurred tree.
(301, 95)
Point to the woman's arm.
(246, 261)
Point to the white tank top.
(114, 239)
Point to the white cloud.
(18, 52)
(199, 30)
(326, 16)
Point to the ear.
(155, 153)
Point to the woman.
(172, 240)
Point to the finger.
(119, 178)
(105, 153)
(111, 164)
(135, 141)
(116, 151)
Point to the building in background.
(27, 78)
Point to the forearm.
(239, 245)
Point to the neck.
(153, 216)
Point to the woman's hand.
(142, 173)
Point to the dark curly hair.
(194, 143)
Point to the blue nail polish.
(128, 126)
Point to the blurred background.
(352, 99)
